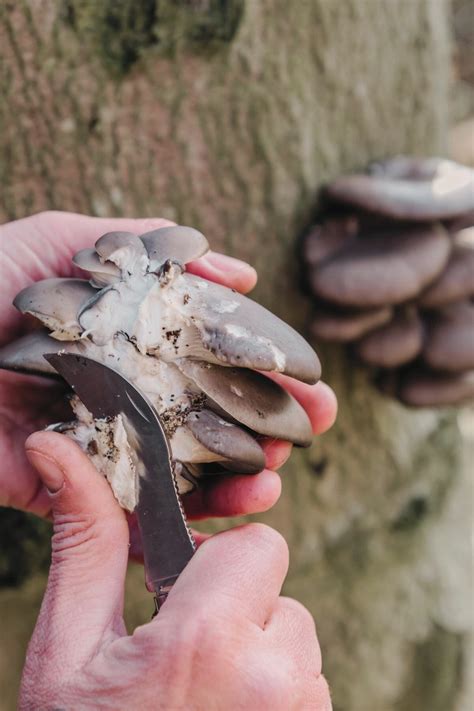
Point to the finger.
(236, 574)
(291, 627)
(276, 451)
(224, 270)
(233, 495)
(318, 400)
(84, 596)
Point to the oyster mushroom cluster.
(391, 268)
(193, 347)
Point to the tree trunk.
(229, 117)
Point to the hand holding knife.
(167, 542)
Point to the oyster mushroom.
(180, 244)
(25, 355)
(192, 346)
(325, 239)
(428, 388)
(56, 302)
(341, 326)
(406, 188)
(383, 269)
(394, 343)
(240, 450)
(101, 273)
(449, 342)
(390, 264)
(251, 399)
(456, 282)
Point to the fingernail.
(224, 263)
(50, 473)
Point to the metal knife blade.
(167, 541)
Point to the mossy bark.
(234, 132)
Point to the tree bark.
(231, 123)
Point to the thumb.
(84, 596)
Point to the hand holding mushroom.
(391, 268)
(41, 247)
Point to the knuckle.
(76, 533)
(71, 531)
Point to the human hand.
(41, 246)
(223, 640)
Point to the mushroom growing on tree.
(390, 267)
(406, 188)
(195, 348)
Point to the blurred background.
(229, 116)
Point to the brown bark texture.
(229, 117)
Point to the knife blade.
(168, 544)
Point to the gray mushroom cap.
(239, 331)
(425, 388)
(456, 282)
(56, 303)
(389, 268)
(102, 273)
(446, 193)
(344, 326)
(449, 341)
(251, 399)
(180, 244)
(25, 355)
(394, 343)
(124, 249)
(407, 167)
(240, 450)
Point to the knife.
(168, 544)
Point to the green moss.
(120, 32)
